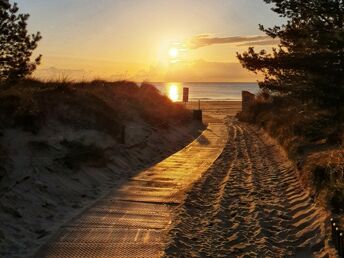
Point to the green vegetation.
(301, 102)
(16, 44)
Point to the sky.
(147, 40)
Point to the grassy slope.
(102, 105)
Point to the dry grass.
(306, 133)
(336, 170)
(101, 105)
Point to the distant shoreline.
(199, 82)
(212, 100)
(207, 91)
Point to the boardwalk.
(133, 221)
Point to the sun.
(173, 52)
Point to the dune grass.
(312, 139)
(102, 105)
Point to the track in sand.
(250, 203)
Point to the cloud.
(204, 40)
(268, 42)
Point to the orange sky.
(121, 39)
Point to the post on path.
(248, 100)
(197, 113)
(185, 95)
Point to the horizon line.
(201, 82)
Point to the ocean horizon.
(208, 91)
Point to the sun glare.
(173, 52)
(173, 92)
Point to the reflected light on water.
(173, 91)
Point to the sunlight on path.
(250, 203)
(133, 221)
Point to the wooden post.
(185, 95)
(247, 101)
(197, 115)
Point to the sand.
(250, 203)
(133, 220)
(216, 109)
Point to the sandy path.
(249, 204)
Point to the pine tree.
(308, 65)
(16, 44)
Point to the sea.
(207, 91)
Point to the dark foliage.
(308, 65)
(16, 44)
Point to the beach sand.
(216, 109)
(250, 202)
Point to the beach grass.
(312, 138)
(98, 104)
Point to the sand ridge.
(250, 203)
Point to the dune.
(62, 151)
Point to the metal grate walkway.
(133, 221)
